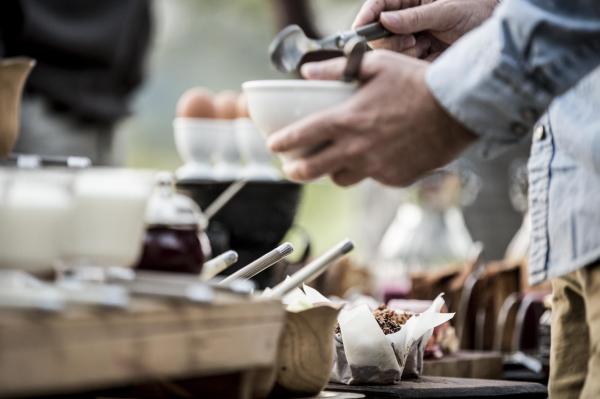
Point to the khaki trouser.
(575, 345)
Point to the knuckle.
(305, 171)
(379, 56)
(344, 179)
(411, 52)
(338, 124)
(380, 43)
(393, 178)
(355, 148)
(289, 139)
(338, 178)
(358, 120)
(453, 8)
(377, 6)
(404, 41)
(375, 167)
(386, 182)
(413, 18)
(386, 178)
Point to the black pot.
(252, 223)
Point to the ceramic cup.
(34, 205)
(106, 221)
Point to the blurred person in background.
(296, 12)
(90, 59)
(532, 65)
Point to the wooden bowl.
(306, 348)
(13, 73)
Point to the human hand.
(392, 129)
(430, 25)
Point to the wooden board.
(41, 353)
(442, 387)
(466, 364)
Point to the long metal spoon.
(218, 264)
(223, 198)
(262, 263)
(312, 270)
(291, 44)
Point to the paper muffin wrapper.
(365, 355)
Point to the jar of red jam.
(175, 240)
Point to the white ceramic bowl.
(274, 104)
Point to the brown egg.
(196, 103)
(226, 104)
(242, 107)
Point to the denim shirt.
(534, 65)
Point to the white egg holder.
(222, 150)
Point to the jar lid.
(167, 207)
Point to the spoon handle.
(312, 270)
(216, 265)
(262, 263)
(373, 31)
(223, 198)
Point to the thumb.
(412, 20)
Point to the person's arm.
(499, 79)
(492, 84)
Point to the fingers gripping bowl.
(275, 104)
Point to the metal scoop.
(260, 264)
(291, 44)
(312, 270)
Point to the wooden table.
(442, 387)
(90, 349)
(466, 364)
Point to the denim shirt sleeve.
(499, 78)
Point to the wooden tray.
(442, 387)
(466, 364)
(84, 350)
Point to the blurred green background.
(220, 44)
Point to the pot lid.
(167, 207)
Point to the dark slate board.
(444, 387)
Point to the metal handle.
(312, 270)
(262, 263)
(354, 51)
(373, 31)
(223, 198)
(218, 264)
